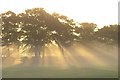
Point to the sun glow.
(79, 10)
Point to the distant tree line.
(35, 28)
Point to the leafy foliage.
(35, 28)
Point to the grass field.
(50, 72)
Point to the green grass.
(52, 72)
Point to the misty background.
(38, 44)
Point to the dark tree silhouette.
(108, 34)
(10, 30)
(40, 28)
(66, 35)
(35, 28)
(86, 31)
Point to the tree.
(35, 29)
(86, 31)
(108, 34)
(10, 30)
(66, 35)
(40, 28)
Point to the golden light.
(90, 56)
(102, 12)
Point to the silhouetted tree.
(66, 35)
(40, 28)
(108, 34)
(85, 31)
(10, 30)
(35, 28)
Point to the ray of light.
(53, 57)
(106, 50)
(85, 53)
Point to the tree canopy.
(35, 28)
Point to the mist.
(79, 56)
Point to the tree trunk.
(60, 47)
(43, 55)
(36, 59)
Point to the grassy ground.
(52, 72)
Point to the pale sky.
(101, 12)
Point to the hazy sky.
(101, 12)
